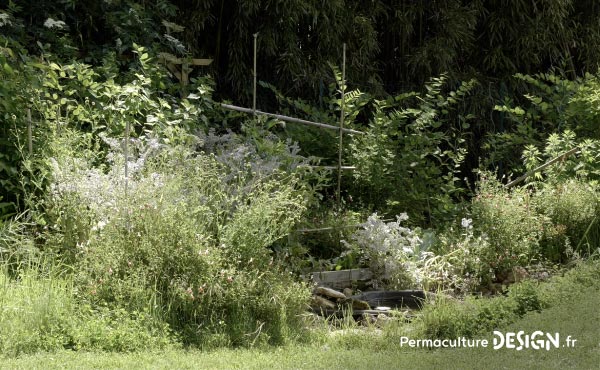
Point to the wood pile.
(372, 307)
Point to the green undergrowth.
(448, 318)
(42, 309)
(573, 298)
(40, 312)
(474, 316)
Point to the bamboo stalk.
(58, 113)
(126, 153)
(340, 148)
(539, 168)
(29, 132)
(290, 119)
(349, 168)
(254, 73)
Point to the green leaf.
(7, 68)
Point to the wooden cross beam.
(182, 67)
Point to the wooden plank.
(329, 277)
(201, 62)
(173, 69)
(193, 61)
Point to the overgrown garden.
(137, 213)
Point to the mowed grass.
(578, 317)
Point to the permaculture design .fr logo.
(509, 340)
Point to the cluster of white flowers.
(389, 248)
(102, 190)
(52, 23)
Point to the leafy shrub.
(553, 104)
(410, 156)
(445, 318)
(411, 258)
(565, 287)
(526, 297)
(450, 318)
(457, 263)
(582, 165)
(322, 247)
(568, 196)
(119, 330)
(573, 207)
(509, 221)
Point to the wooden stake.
(339, 183)
(29, 132)
(254, 73)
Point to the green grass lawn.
(579, 318)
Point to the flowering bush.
(184, 237)
(406, 258)
(390, 250)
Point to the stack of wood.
(327, 299)
(332, 296)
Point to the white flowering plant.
(392, 251)
(405, 258)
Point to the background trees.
(394, 46)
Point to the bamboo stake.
(289, 119)
(339, 182)
(539, 168)
(126, 150)
(58, 120)
(254, 73)
(350, 168)
(29, 132)
(126, 154)
(303, 231)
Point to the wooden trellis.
(341, 129)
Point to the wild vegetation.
(137, 213)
